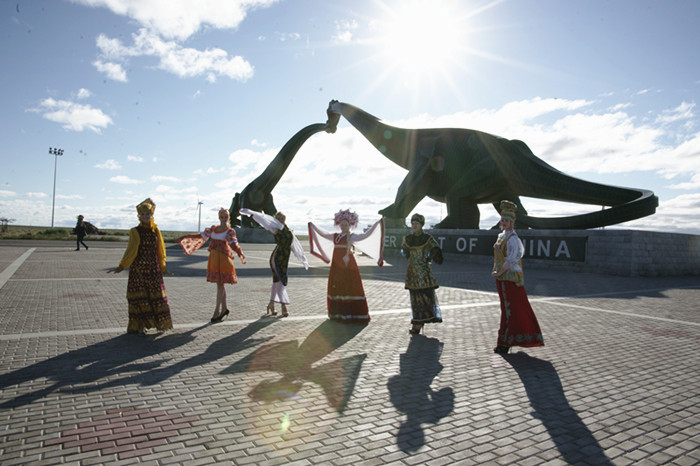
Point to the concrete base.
(254, 235)
(614, 252)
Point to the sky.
(187, 102)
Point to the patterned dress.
(420, 281)
(145, 290)
(223, 243)
(519, 326)
(279, 262)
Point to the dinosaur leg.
(412, 190)
(521, 210)
(462, 213)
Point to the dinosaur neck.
(392, 142)
(269, 178)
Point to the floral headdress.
(350, 217)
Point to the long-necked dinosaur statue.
(464, 168)
(258, 194)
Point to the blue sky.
(187, 101)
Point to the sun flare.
(421, 36)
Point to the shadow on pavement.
(411, 394)
(573, 439)
(107, 359)
(295, 363)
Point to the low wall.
(613, 252)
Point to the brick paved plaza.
(618, 381)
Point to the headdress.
(350, 217)
(418, 218)
(225, 212)
(146, 206)
(281, 217)
(508, 210)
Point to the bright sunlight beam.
(423, 36)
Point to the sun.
(423, 36)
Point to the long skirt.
(346, 295)
(148, 301)
(425, 308)
(220, 268)
(519, 326)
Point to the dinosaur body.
(464, 168)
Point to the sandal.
(271, 309)
(500, 349)
(284, 311)
(415, 329)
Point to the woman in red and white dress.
(346, 299)
(519, 326)
(220, 268)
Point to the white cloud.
(134, 158)
(683, 112)
(121, 179)
(83, 94)
(109, 165)
(179, 19)
(114, 71)
(5, 193)
(73, 116)
(37, 195)
(344, 30)
(157, 178)
(181, 61)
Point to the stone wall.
(612, 251)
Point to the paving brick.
(615, 382)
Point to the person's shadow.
(411, 394)
(573, 439)
(228, 345)
(295, 364)
(109, 359)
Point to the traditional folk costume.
(145, 290)
(420, 281)
(286, 243)
(346, 299)
(223, 244)
(519, 326)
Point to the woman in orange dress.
(220, 268)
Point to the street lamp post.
(56, 152)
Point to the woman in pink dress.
(346, 301)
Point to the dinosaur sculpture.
(258, 194)
(464, 168)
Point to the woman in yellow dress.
(145, 259)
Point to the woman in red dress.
(519, 326)
(346, 299)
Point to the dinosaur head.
(333, 117)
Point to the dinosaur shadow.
(573, 439)
(295, 363)
(106, 359)
(411, 394)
